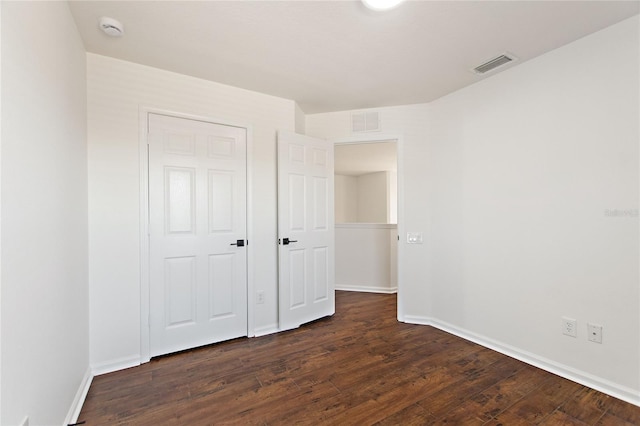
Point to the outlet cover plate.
(595, 333)
(569, 327)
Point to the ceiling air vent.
(365, 122)
(494, 63)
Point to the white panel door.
(197, 231)
(305, 229)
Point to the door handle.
(286, 241)
(239, 243)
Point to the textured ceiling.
(337, 55)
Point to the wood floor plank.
(622, 410)
(558, 418)
(467, 413)
(610, 420)
(413, 415)
(359, 367)
(533, 408)
(586, 405)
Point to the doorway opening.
(368, 213)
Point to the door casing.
(144, 222)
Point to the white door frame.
(380, 137)
(144, 221)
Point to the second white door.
(305, 229)
(197, 233)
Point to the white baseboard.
(78, 400)
(624, 393)
(115, 365)
(367, 289)
(267, 329)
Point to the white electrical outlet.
(569, 327)
(595, 333)
(260, 298)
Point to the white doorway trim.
(144, 221)
(380, 137)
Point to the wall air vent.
(497, 62)
(365, 122)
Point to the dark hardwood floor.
(359, 367)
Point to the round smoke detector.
(111, 27)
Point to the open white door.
(305, 229)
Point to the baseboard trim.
(78, 400)
(267, 329)
(115, 365)
(605, 386)
(366, 289)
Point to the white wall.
(524, 166)
(367, 198)
(45, 332)
(510, 180)
(392, 195)
(0, 213)
(346, 201)
(116, 91)
(410, 122)
(393, 257)
(366, 256)
(372, 198)
(300, 120)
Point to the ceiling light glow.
(381, 4)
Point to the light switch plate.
(414, 237)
